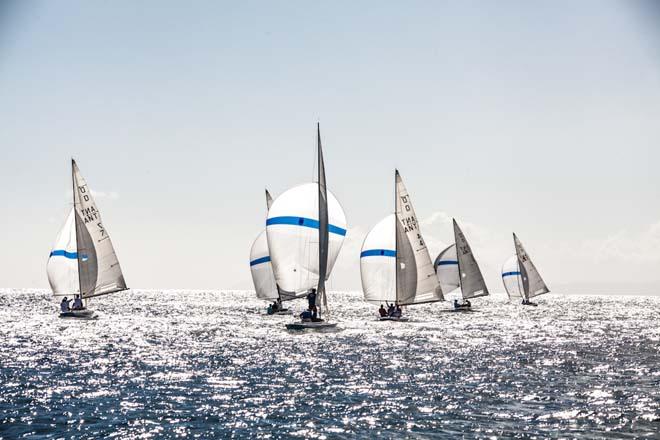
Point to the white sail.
(98, 268)
(293, 237)
(511, 277)
(423, 287)
(533, 284)
(472, 281)
(62, 265)
(446, 269)
(262, 270)
(378, 263)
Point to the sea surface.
(209, 364)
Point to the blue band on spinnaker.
(508, 274)
(65, 254)
(265, 259)
(447, 262)
(302, 221)
(378, 253)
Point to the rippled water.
(205, 364)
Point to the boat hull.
(81, 314)
(392, 318)
(310, 325)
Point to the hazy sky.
(541, 118)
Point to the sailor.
(64, 305)
(306, 316)
(311, 299)
(456, 304)
(468, 303)
(77, 303)
(390, 309)
(397, 312)
(276, 307)
(270, 309)
(382, 311)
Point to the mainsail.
(511, 277)
(533, 284)
(269, 201)
(394, 262)
(446, 268)
(295, 238)
(416, 280)
(323, 224)
(472, 281)
(85, 241)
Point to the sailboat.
(83, 261)
(261, 268)
(305, 229)
(395, 265)
(520, 276)
(456, 267)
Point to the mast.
(396, 244)
(75, 219)
(458, 261)
(323, 221)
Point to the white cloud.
(112, 195)
(624, 246)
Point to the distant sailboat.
(460, 269)
(305, 229)
(395, 265)
(83, 260)
(261, 268)
(520, 276)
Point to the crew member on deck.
(311, 299)
(64, 305)
(382, 311)
(77, 303)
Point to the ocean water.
(210, 364)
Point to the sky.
(535, 117)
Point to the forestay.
(533, 284)
(511, 277)
(472, 281)
(446, 269)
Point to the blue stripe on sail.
(65, 254)
(447, 262)
(508, 274)
(378, 253)
(302, 221)
(265, 259)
